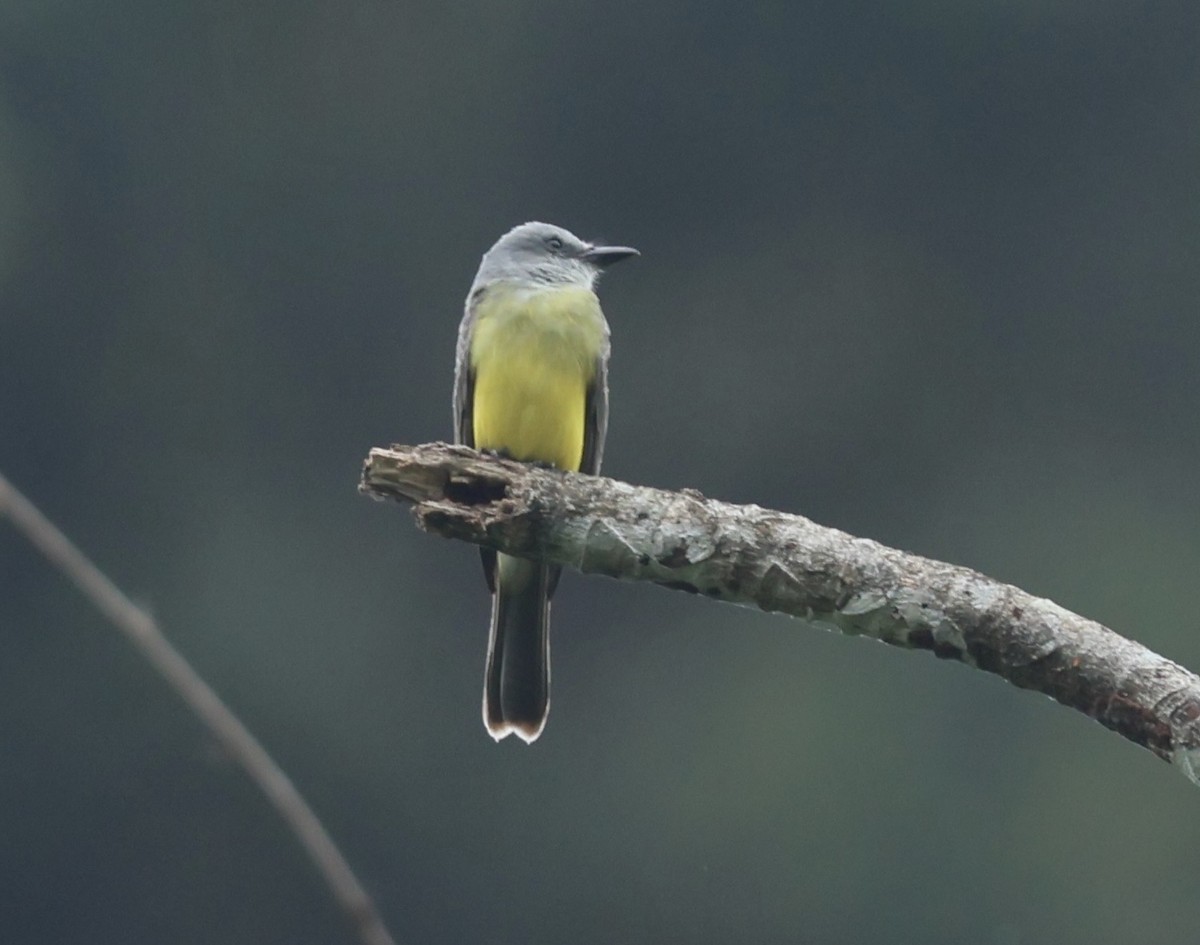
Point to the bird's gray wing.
(464, 410)
(595, 422)
(464, 378)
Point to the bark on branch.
(747, 555)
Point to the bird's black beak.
(604, 256)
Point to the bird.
(531, 384)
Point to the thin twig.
(139, 627)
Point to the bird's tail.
(516, 692)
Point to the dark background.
(927, 272)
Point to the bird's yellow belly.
(531, 412)
(534, 361)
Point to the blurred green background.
(927, 272)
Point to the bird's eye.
(554, 242)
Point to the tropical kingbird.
(531, 383)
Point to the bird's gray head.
(541, 254)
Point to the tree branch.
(747, 555)
(141, 630)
